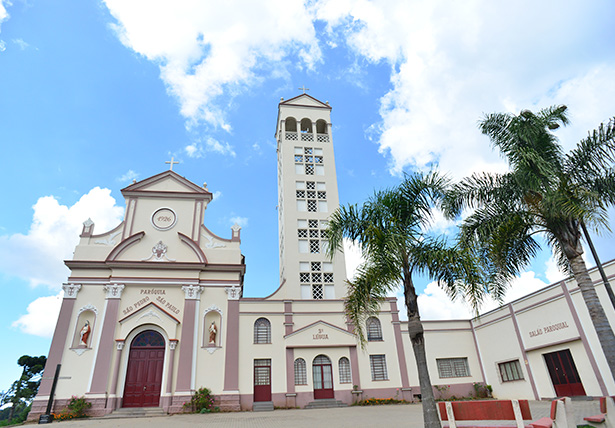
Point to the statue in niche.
(213, 330)
(85, 333)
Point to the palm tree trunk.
(596, 311)
(417, 338)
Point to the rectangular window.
(378, 365)
(317, 293)
(453, 367)
(510, 370)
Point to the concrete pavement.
(409, 415)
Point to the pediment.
(304, 100)
(152, 312)
(167, 182)
(318, 334)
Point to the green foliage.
(77, 407)
(24, 389)
(201, 402)
(380, 401)
(443, 391)
(482, 390)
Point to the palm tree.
(546, 193)
(390, 230)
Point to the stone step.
(262, 406)
(136, 412)
(326, 404)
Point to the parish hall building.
(154, 309)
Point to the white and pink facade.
(163, 298)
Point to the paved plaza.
(352, 417)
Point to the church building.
(154, 310)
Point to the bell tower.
(307, 195)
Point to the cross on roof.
(171, 162)
(303, 88)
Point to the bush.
(380, 401)
(77, 407)
(201, 402)
(482, 390)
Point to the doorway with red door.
(564, 374)
(322, 375)
(144, 372)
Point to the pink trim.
(231, 360)
(113, 255)
(216, 236)
(100, 377)
(170, 367)
(290, 370)
(193, 246)
(84, 264)
(480, 360)
(195, 230)
(137, 188)
(583, 337)
(184, 364)
(401, 355)
(513, 317)
(318, 322)
(143, 307)
(354, 366)
(57, 346)
(288, 317)
(109, 232)
(126, 228)
(559, 342)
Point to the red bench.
(487, 410)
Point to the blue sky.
(94, 94)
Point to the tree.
(546, 193)
(390, 230)
(24, 389)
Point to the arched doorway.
(322, 374)
(144, 373)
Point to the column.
(187, 347)
(104, 351)
(231, 363)
(59, 337)
(401, 354)
(119, 345)
(172, 346)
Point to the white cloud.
(38, 256)
(552, 271)
(196, 149)
(353, 258)
(216, 195)
(41, 317)
(129, 176)
(241, 221)
(20, 43)
(434, 304)
(209, 50)
(450, 62)
(2, 46)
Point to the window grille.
(262, 331)
(317, 159)
(301, 194)
(374, 329)
(262, 372)
(314, 247)
(453, 367)
(328, 277)
(510, 370)
(315, 266)
(378, 366)
(298, 158)
(316, 277)
(292, 136)
(300, 372)
(317, 293)
(344, 369)
(322, 195)
(321, 138)
(307, 137)
(309, 169)
(311, 194)
(302, 233)
(312, 206)
(304, 277)
(313, 224)
(308, 150)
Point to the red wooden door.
(144, 373)
(564, 374)
(262, 380)
(322, 375)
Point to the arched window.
(321, 126)
(300, 372)
(291, 124)
(262, 331)
(345, 376)
(374, 330)
(306, 125)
